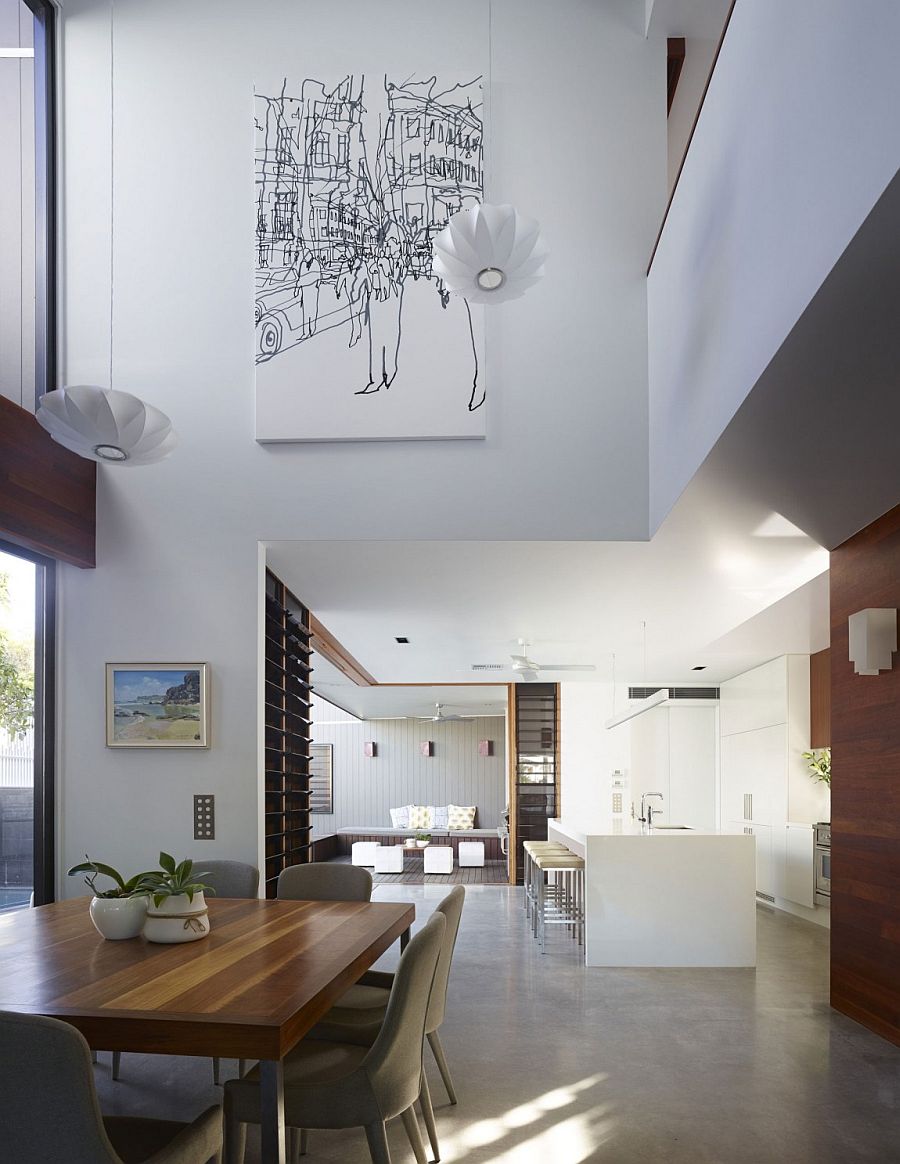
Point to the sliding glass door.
(26, 721)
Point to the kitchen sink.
(676, 828)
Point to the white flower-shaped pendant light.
(103, 424)
(489, 254)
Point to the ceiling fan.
(439, 716)
(527, 669)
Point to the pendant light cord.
(488, 158)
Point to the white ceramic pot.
(177, 919)
(422, 844)
(117, 918)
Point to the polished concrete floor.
(555, 1063)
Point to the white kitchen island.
(666, 897)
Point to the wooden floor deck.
(491, 873)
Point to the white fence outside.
(16, 760)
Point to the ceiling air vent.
(488, 667)
(675, 692)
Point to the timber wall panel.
(865, 797)
(48, 496)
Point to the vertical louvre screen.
(320, 779)
(536, 763)
(287, 743)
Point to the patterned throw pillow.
(459, 817)
(420, 816)
(400, 817)
(440, 817)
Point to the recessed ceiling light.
(703, 668)
(401, 639)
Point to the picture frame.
(157, 705)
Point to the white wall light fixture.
(101, 424)
(873, 639)
(489, 254)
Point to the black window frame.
(44, 721)
(45, 183)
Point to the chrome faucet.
(646, 816)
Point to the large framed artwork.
(356, 339)
(157, 705)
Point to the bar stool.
(560, 902)
(529, 870)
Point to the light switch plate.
(204, 818)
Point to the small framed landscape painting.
(157, 705)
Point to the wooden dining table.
(252, 989)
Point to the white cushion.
(388, 858)
(363, 852)
(400, 817)
(420, 816)
(471, 853)
(439, 859)
(460, 816)
(440, 817)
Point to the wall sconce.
(485, 747)
(427, 748)
(873, 639)
(370, 749)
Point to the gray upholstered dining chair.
(357, 1015)
(49, 1109)
(325, 881)
(343, 1085)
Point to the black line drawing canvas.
(356, 339)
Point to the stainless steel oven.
(823, 863)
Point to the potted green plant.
(177, 910)
(119, 911)
(423, 839)
(818, 761)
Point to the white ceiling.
(716, 565)
(396, 702)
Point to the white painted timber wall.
(365, 789)
(578, 141)
(795, 143)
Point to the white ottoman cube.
(388, 858)
(439, 859)
(471, 853)
(363, 853)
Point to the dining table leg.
(274, 1149)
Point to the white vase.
(422, 844)
(117, 918)
(177, 919)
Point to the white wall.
(589, 754)
(795, 143)
(699, 52)
(578, 134)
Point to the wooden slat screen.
(536, 762)
(287, 740)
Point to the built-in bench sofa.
(389, 836)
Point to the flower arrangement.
(818, 761)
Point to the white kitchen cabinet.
(673, 751)
(764, 723)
